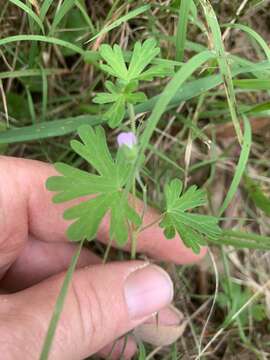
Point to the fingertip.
(203, 252)
(168, 316)
(162, 330)
(188, 256)
(153, 242)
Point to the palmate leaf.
(142, 56)
(124, 91)
(155, 71)
(119, 95)
(193, 229)
(116, 113)
(114, 58)
(105, 189)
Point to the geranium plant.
(107, 185)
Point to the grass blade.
(44, 94)
(240, 244)
(46, 39)
(240, 239)
(30, 73)
(241, 166)
(252, 84)
(59, 306)
(44, 8)
(65, 126)
(132, 14)
(48, 129)
(31, 106)
(169, 92)
(163, 101)
(247, 236)
(142, 352)
(255, 36)
(182, 28)
(86, 16)
(60, 13)
(223, 64)
(30, 12)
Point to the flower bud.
(127, 142)
(127, 138)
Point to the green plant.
(118, 175)
(124, 92)
(234, 299)
(142, 90)
(108, 187)
(114, 174)
(193, 229)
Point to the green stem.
(134, 233)
(144, 194)
(132, 117)
(133, 244)
(152, 223)
(106, 255)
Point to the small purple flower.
(127, 138)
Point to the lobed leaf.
(142, 56)
(105, 98)
(193, 229)
(88, 216)
(116, 113)
(135, 98)
(106, 189)
(155, 71)
(116, 65)
(94, 149)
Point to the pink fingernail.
(168, 316)
(148, 290)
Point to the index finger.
(28, 209)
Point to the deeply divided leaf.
(104, 190)
(124, 91)
(193, 229)
(142, 56)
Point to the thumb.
(103, 303)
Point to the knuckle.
(12, 238)
(91, 317)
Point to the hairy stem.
(134, 232)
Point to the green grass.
(50, 73)
(182, 28)
(240, 167)
(30, 13)
(59, 306)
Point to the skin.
(34, 253)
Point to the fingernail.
(163, 329)
(147, 290)
(166, 317)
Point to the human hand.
(104, 301)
